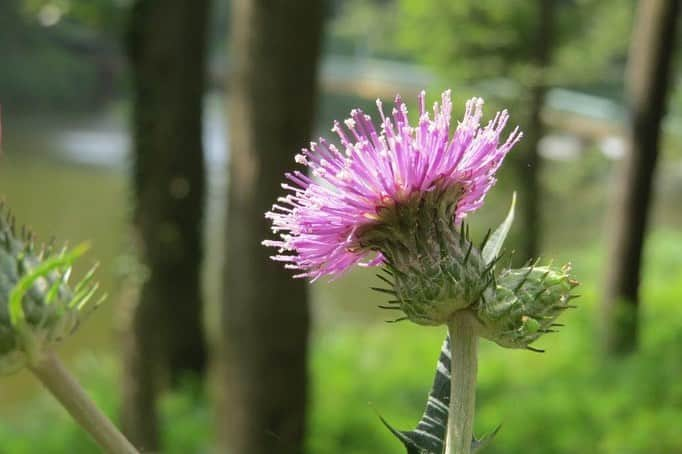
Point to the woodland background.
(160, 130)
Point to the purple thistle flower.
(319, 219)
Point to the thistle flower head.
(37, 305)
(340, 216)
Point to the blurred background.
(160, 131)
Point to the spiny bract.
(433, 269)
(527, 302)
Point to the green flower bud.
(433, 269)
(526, 304)
(37, 306)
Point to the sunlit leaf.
(494, 244)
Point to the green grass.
(567, 400)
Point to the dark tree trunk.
(263, 361)
(649, 71)
(530, 197)
(167, 52)
(531, 166)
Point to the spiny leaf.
(494, 244)
(484, 441)
(429, 435)
(431, 431)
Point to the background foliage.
(64, 57)
(566, 399)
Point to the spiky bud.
(434, 269)
(527, 302)
(37, 306)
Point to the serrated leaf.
(430, 434)
(494, 244)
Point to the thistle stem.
(463, 345)
(54, 376)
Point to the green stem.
(51, 372)
(463, 343)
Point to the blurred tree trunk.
(265, 314)
(648, 77)
(167, 53)
(531, 163)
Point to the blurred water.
(66, 175)
(103, 140)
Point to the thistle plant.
(38, 308)
(397, 199)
